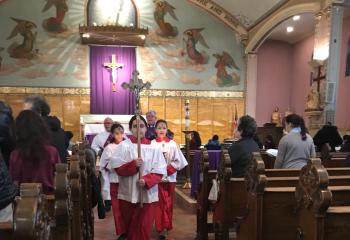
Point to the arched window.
(112, 12)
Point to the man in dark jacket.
(328, 134)
(241, 151)
(58, 138)
(8, 193)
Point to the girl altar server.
(138, 220)
(110, 178)
(175, 161)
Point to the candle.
(187, 114)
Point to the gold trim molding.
(192, 94)
(45, 90)
(147, 93)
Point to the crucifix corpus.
(136, 86)
(319, 77)
(114, 66)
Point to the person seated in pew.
(297, 147)
(346, 144)
(328, 134)
(241, 151)
(7, 143)
(269, 143)
(8, 192)
(110, 179)
(213, 144)
(34, 159)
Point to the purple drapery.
(103, 99)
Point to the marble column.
(252, 82)
(333, 69)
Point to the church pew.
(30, 220)
(203, 204)
(268, 204)
(320, 215)
(334, 159)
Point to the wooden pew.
(30, 220)
(234, 203)
(317, 219)
(334, 159)
(271, 210)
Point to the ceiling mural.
(249, 12)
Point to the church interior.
(201, 65)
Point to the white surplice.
(173, 156)
(153, 162)
(99, 141)
(108, 175)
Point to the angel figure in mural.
(191, 38)
(1, 49)
(26, 49)
(161, 9)
(223, 78)
(55, 24)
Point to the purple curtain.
(103, 100)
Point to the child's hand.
(138, 162)
(142, 182)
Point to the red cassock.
(164, 207)
(138, 221)
(118, 221)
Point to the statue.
(276, 117)
(313, 100)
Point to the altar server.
(175, 161)
(138, 220)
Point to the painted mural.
(187, 48)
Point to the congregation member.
(297, 147)
(102, 139)
(110, 180)
(269, 143)
(213, 144)
(328, 134)
(175, 161)
(57, 134)
(138, 221)
(346, 144)
(195, 142)
(8, 193)
(6, 132)
(34, 159)
(241, 151)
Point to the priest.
(102, 139)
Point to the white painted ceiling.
(303, 28)
(249, 11)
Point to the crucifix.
(114, 66)
(319, 77)
(136, 86)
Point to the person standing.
(34, 159)
(110, 177)
(138, 221)
(102, 139)
(297, 147)
(151, 117)
(39, 105)
(175, 161)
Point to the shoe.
(108, 205)
(162, 237)
(122, 237)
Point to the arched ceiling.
(249, 12)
